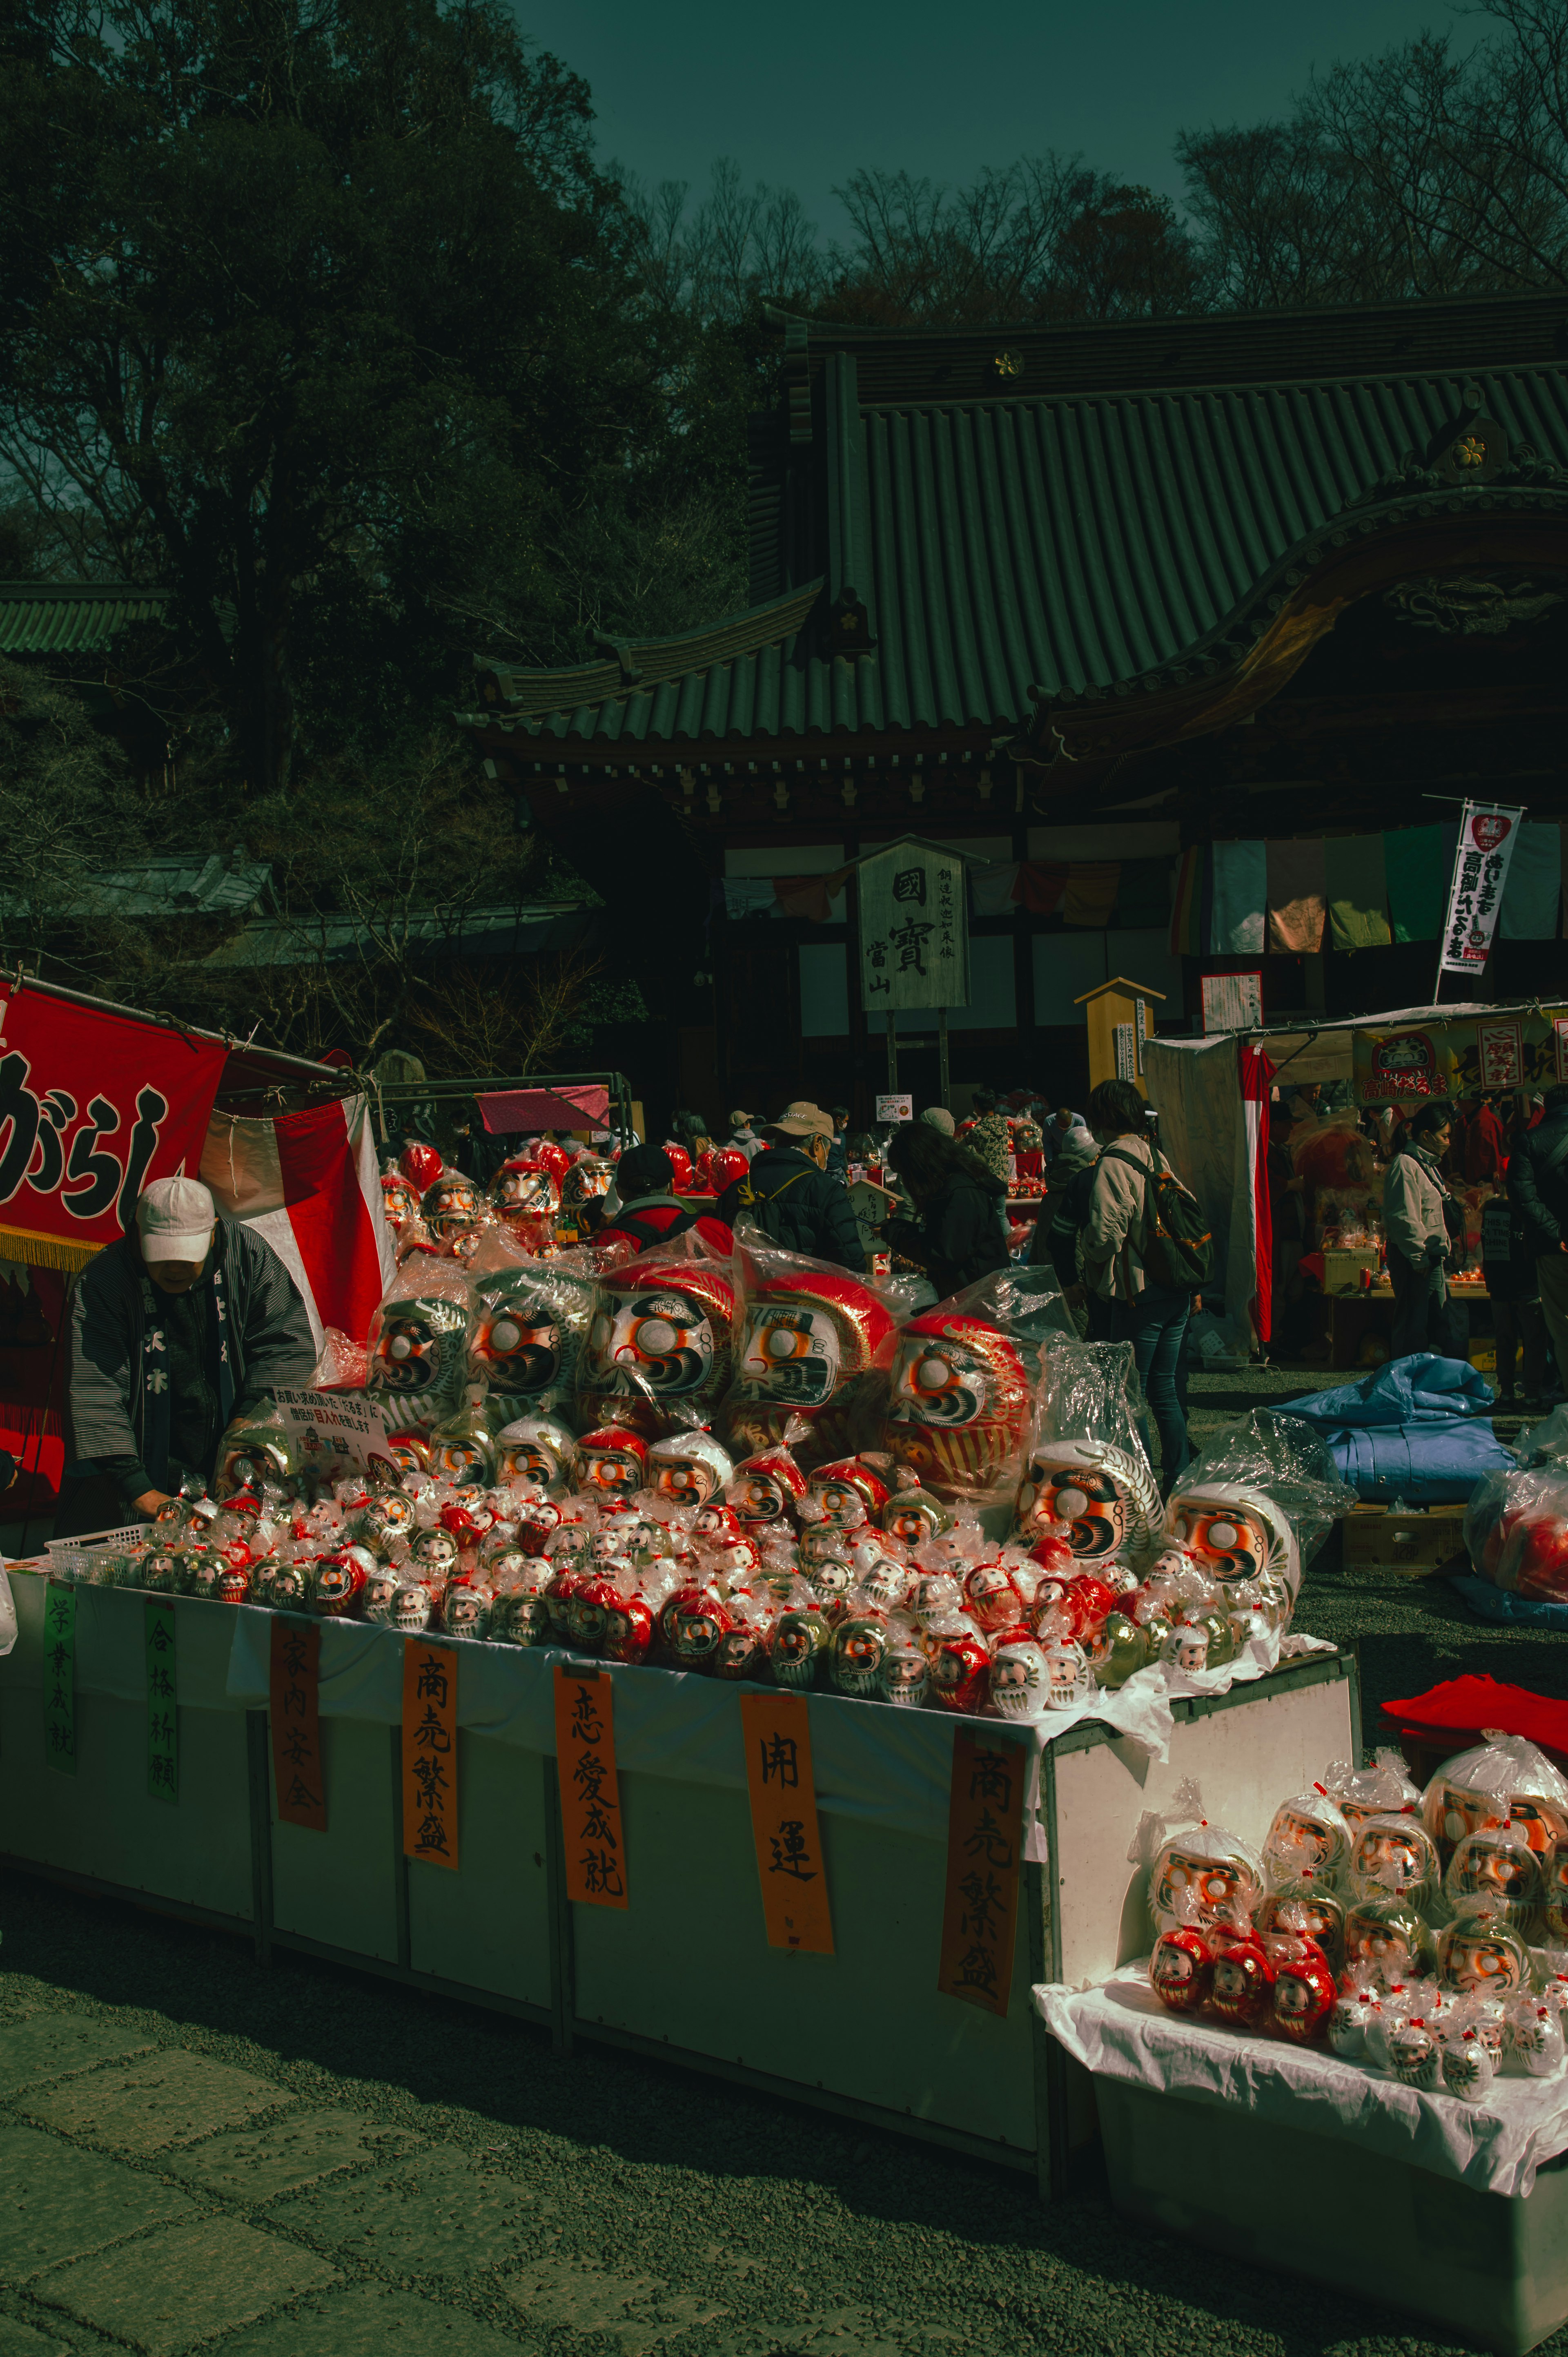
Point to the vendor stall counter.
(685, 1971)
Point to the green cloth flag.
(59, 1677)
(1417, 880)
(163, 1701)
(1356, 890)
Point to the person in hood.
(178, 1331)
(956, 1235)
(647, 1211)
(1420, 1222)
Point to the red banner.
(92, 1107)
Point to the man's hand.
(147, 1504)
(1075, 1295)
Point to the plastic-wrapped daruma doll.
(766, 1489)
(958, 1406)
(419, 1354)
(525, 1200)
(1234, 1533)
(1109, 1499)
(452, 1208)
(658, 1348)
(805, 1342)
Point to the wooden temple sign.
(295, 1688)
(985, 1835)
(593, 1833)
(430, 1751)
(777, 1729)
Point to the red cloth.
(93, 1106)
(581, 1106)
(1462, 1707)
(1486, 1148)
(1256, 1074)
(1040, 886)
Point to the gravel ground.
(303, 2162)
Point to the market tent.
(572, 1105)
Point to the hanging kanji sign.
(777, 1732)
(593, 1833)
(430, 1751)
(913, 928)
(93, 1104)
(986, 1831)
(294, 1697)
(1487, 833)
(162, 1703)
(60, 1676)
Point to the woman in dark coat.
(957, 1235)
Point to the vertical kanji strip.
(777, 1731)
(296, 1684)
(430, 1751)
(59, 1677)
(594, 1841)
(985, 1827)
(163, 1704)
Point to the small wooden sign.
(777, 1732)
(593, 1833)
(296, 1693)
(985, 1832)
(430, 1751)
(60, 1676)
(163, 1704)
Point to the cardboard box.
(1413, 1540)
(1343, 1265)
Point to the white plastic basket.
(123, 1536)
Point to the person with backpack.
(648, 1211)
(1537, 1187)
(1146, 1253)
(787, 1194)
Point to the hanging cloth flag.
(1487, 834)
(1356, 889)
(1038, 887)
(1240, 895)
(991, 888)
(1255, 1074)
(1295, 897)
(1091, 892)
(1416, 877)
(1188, 929)
(1535, 883)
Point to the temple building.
(1192, 635)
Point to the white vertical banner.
(913, 928)
(1487, 833)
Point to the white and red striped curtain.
(1256, 1074)
(309, 1182)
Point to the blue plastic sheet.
(1495, 1604)
(1425, 1464)
(1421, 1389)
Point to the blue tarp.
(1421, 1389)
(1415, 1430)
(1494, 1604)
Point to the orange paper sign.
(777, 1731)
(430, 1751)
(295, 1693)
(985, 1825)
(594, 1836)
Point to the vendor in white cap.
(177, 1330)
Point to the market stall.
(1212, 1093)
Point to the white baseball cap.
(174, 1220)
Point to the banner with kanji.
(913, 928)
(93, 1105)
(1487, 834)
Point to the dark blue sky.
(802, 92)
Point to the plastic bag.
(1286, 1458)
(1516, 1530)
(533, 1322)
(1198, 1872)
(1384, 1786)
(1503, 1778)
(1088, 1475)
(813, 1350)
(658, 1347)
(342, 1365)
(419, 1339)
